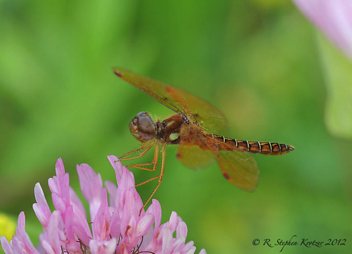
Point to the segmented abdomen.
(267, 148)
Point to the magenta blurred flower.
(116, 225)
(333, 17)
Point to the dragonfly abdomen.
(266, 148)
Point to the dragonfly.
(192, 128)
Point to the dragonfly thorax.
(169, 130)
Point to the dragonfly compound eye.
(143, 127)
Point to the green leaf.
(337, 69)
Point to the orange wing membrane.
(180, 101)
(195, 128)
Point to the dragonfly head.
(142, 127)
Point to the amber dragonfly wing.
(198, 149)
(194, 151)
(239, 168)
(178, 100)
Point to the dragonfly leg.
(154, 162)
(151, 179)
(160, 177)
(146, 146)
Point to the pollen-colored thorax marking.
(174, 136)
(169, 124)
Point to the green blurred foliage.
(257, 61)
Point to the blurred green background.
(255, 60)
